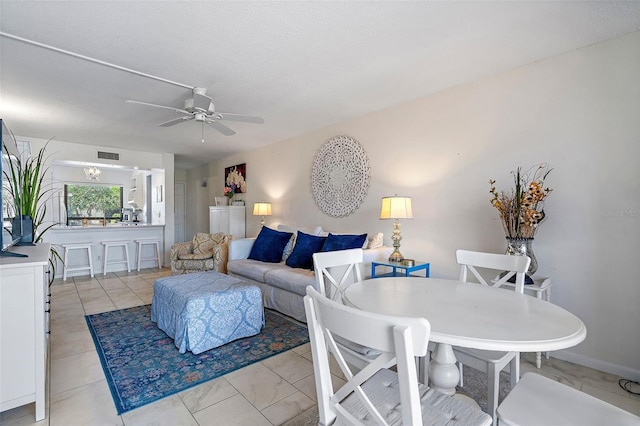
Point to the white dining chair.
(491, 362)
(376, 394)
(538, 400)
(335, 272)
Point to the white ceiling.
(299, 65)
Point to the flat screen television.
(10, 236)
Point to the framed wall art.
(235, 179)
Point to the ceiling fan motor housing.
(199, 103)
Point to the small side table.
(396, 266)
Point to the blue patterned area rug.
(142, 364)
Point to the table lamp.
(262, 209)
(396, 207)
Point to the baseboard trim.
(608, 367)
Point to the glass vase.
(522, 247)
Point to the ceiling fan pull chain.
(202, 122)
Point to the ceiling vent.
(108, 155)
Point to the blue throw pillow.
(269, 245)
(306, 245)
(344, 242)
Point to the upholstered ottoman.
(204, 310)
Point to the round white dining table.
(469, 315)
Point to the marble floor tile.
(112, 283)
(67, 324)
(75, 370)
(65, 344)
(99, 307)
(87, 295)
(131, 278)
(146, 297)
(85, 405)
(287, 408)
(85, 283)
(206, 394)
(290, 366)
(60, 288)
(167, 411)
(308, 385)
(259, 385)
(66, 299)
(124, 298)
(119, 292)
(233, 411)
(303, 349)
(628, 402)
(128, 302)
(61, 311)
(139, 285)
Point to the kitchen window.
(93, 202)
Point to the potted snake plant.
(30, 194)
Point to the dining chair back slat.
(337, 270)
(469, 261)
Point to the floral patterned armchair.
(207, 252)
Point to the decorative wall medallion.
(340, 176)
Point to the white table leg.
(443, 372)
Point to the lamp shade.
(262, 209)
(396, 207)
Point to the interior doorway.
(180, 201)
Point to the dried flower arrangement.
(522, 208)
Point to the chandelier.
(92, 173)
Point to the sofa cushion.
(343, 242)
(253, 269)
(269, 245)
(182, 266)
(294, 280)
(305, 246)
(194, 256)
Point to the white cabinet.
(23, 328)
(227, 219)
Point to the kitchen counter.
(96, 234)
(109, 227)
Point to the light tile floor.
(270, 392)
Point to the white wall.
(580, 112)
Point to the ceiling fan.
(200, 108)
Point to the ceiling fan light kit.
(200, 108)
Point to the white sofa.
(283, 287)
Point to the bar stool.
(124, 245)
(66, 258)
(149, 241)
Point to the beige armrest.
(180, 249)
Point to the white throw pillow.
(375, 241)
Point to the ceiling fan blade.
(221, 128)
(240, 117)
(158, 106)
(176, 121)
